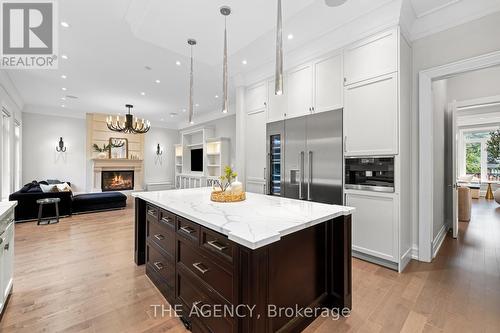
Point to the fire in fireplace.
(117, 180)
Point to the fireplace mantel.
(108, 164)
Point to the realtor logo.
(28, 36)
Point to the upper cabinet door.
(372, 57)
(299, 93)
(328, 87)
(277, 105)
(371, 117)
(256, 97)
(255, 146)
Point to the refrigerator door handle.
(301, 181)
(309, 182)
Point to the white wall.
(462, 42)
(476, 84)
(224, 127)
(159, 168)
(41, 161)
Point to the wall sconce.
(61, 148)
(158, 150)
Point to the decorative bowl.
(220, 196)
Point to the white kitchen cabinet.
(328, 87)
(371, 57)
(371, 117)
(256, 97)
(255, 150)
(7, 260)
(300, 91)
(375, 224)
(277, 105)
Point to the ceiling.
(109, 44)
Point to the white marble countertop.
(255, 222)
(5, 206)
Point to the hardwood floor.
(79, 276)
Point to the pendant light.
(225, 11)
(278, 78)
(129, 125)
(191, 42)
(335, 3)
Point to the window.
(17, 155)
(475, 157)
(6, 170)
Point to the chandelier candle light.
(130, 125)
(225, 11)
(191, 42)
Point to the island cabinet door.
(161, 234)
(161, 270)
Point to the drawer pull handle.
(202, 270)
(166, 219)
(187, 230)
(159, 237)
(6, 247)
(216, 245)
(196, 306)
(152, 212)
(158, 265)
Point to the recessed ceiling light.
(143, 93)
(162, 119)
(178, 63)
(191, 122)
(216, 96)
(244, 62)
(197, 105)
(290, 36)
(65, 24)
(63, 76)
(183, 110)
(157, 81)
(63, 98)
(64, 89)
(65, 57)
(63, 106)
(173, 114)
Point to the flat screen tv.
(197, 159)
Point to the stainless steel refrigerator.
(304, 157)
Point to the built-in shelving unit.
(216, 155)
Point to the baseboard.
(405, 259)
(375, 260)
(438, 240)
(414, 252)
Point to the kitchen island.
(264, 261)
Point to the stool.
(47, 201)
(464, 204)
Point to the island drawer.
(152, 211)
(199, 302)
(167, 218)
(188, 229)
(162, 235)
(217, 244)
(160, 264)
(202, 266)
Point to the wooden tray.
(220, 196)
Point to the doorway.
(435, 212)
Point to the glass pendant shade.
(129, 125)
(278, 79)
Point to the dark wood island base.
(268, 289)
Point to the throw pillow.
(64, 187)
(49, 188)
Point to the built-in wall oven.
(370, 173)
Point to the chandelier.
(129, 125)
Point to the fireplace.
(117, 180)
